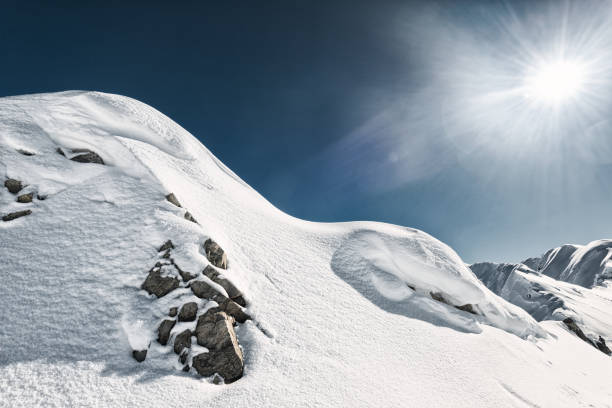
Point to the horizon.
(351, 111)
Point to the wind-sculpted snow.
(335, 321)
(402, 270)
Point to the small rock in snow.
(14, 215)
(163, 332)
(571, 324)
(232, 291)
(25, 198)
(139, 355)
(203, 290)
(25, 152)
(13, 186)
(172, 198)
(87, 156)
(601, 345)
(182, 341)
(60, 151)
(173, 311)
(188, 312)
(159, 285)
(166, 246)
(189, 217)
(233, 309)
(215, 254)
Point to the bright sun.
(556, 82)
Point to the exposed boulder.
(232, 291)
(25, 152)
(601, 345)
(158, 284)
(25, 198)
(41, 197)
(215, 331)
(189, 217)
(13, 186)
(173, 311)
(467, 308)
(203, 290)
(172, 199)
(188, 312)
(15, 215)
(163, 332)
(59, 150)
(215, 254)
(139, 355)
(166, 246)
(233, 309)
(86, 156)
(182, 341)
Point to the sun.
(556, 82)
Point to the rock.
(173, 311)
(571, 324)
(188, 312)
(25, 198)
(166, 246)
(203, 290)
(41, 197)
(139, 355)
(13, 186)
(15, 215)
(217, 334)
(189, 217)
(233, 309)
(437, 296)
(172, 198)
(467, 308)
(159, 285)
(182, 341)
(86, 156)
(601, 345)
(215, 254)
(232, 291)
(228, 363)
(25, 152)
(187, 276)
(60, 151)
(186, 368)
(163, 332)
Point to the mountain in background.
(138, 270)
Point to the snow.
(335, 322)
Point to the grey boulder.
(215, 254)
(188, 312)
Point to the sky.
(408, 112)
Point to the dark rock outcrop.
(188, 312)
(601, 345)
(25, 198)
(224, 356)
(232, 291)
(139, 355)
(14, 215)
(163, 332)
(572, 326)
(215, 254)
(13, 186)
(59, 150)
(157, 284)
(203, 290)
(166, 246)
(172, 199)
(182, 341)
(189, 217)
(86, 156)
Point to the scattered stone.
(166, 246)
(467, 308)
(60, 151)
(203, 290)
(163, 332)
(41, 197)
(186, 368)
(183, 356)
(25, 198)
(233, 309)
(13, 186)
(188, 312)
(15, 215)
(232, 291)
(87, 156)
(601, 345)
(25, 152)
(437, 296)
(571, 324)
(182, 341)
(173, 311)
(159, 285)
(189, 217)
(215, 254)
(139, 355)
(172, 198)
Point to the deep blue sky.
(333, 110)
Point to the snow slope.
(343, 314)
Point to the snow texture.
(336, 321)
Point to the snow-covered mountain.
(568, 282)
(138, 270)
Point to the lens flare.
(556, 82)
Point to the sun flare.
(556, 82)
